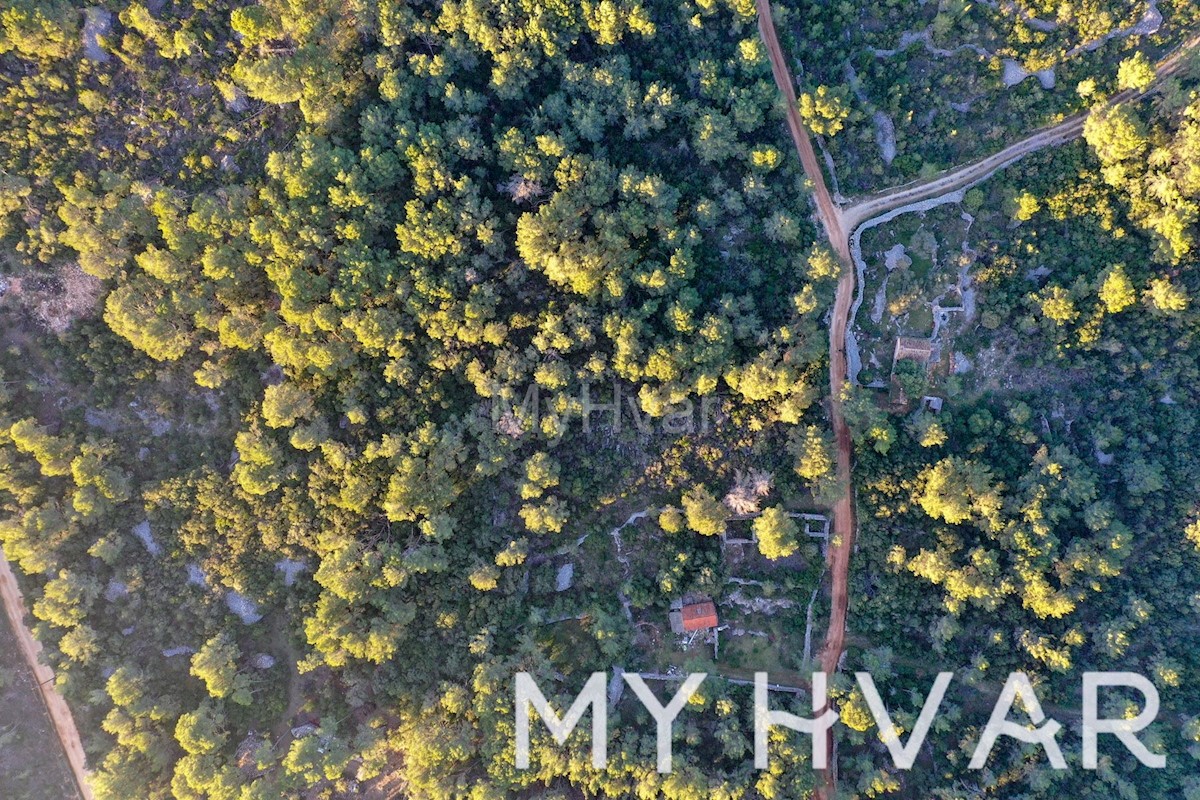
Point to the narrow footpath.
(56, 707)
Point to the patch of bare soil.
(71, 295)
(386, 787)
(59, 299)
(996, 369)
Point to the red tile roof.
(699, 616)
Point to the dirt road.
(868, 208)
(60, 714)
(842, 541)
(839, 225)
(826, 207)
(963, 177)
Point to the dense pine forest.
(356, 356)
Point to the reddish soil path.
(60, 714)
(828, 210)
(839, 224)
(842, 540)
